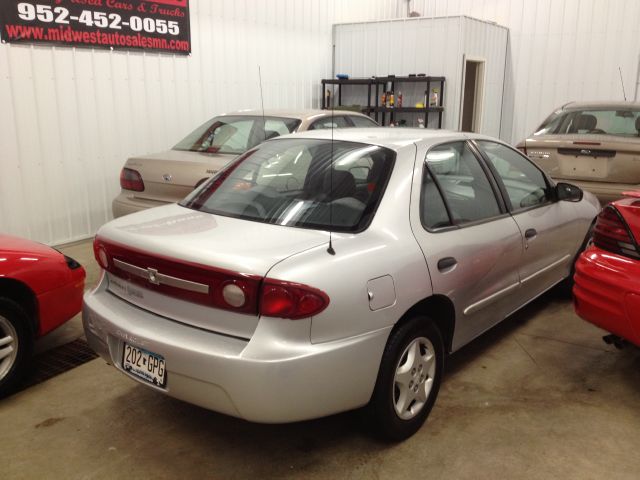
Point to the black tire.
(14, 322)
(381, 410)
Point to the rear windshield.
(304, 183)
(595, 122)
(234, 135)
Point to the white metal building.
(71, 116)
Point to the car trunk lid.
(174, 262)
(601, 158)
(170, 176)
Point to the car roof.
(393, 138)
(301, 114)
(616, 105)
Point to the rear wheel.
(409, 379)
(15, 345)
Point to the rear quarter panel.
(387, 247)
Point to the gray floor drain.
(59, 360)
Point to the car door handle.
(446, 263)
(530, 233)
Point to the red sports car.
(40, 289)
(607, 280)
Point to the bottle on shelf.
(399, 100)
(383, 99)
(433, 99)
(391, 99)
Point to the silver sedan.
(327, 271)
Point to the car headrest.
(268, 134)
(586, 121)
(343, 182)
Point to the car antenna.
(330, 250)
(264, 122)
(622, 82)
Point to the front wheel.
(15, 345)
(409, 379)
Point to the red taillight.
(131, 180)
(611, 233)
(291, 300)
(102, 257)
(192, 282)
(237, 292)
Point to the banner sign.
(156, 25)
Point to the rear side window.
(433, 211)
(525, 184)
(463, 183)
(339, 121)
(362, 122)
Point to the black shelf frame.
(380, 83)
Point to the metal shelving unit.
(373, 106)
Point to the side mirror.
(568, 192)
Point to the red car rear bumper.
(60, 304)
(607, 292)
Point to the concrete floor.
(540, 396)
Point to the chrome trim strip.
(547, 268)
(161, 278)
(490, 299)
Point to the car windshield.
(235, 134)
(623, 122)
(304, 183)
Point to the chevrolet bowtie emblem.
(153, 276)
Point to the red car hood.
(21, 246)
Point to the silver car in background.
(328, 271)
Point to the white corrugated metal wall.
(70, 117)
(434, 46)
(560, 51)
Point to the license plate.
(145, 365)
(583, 166)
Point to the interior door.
(472, 246)
(550, 229)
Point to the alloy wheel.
(8, 346)
(414, 378)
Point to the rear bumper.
(125, 203)
(605, 191)
(57, 306)
(278, 376)
(607, 292)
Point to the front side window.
(305, 183)
(235, 134)
(525, 184)
(625, 122)
(463, 183)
